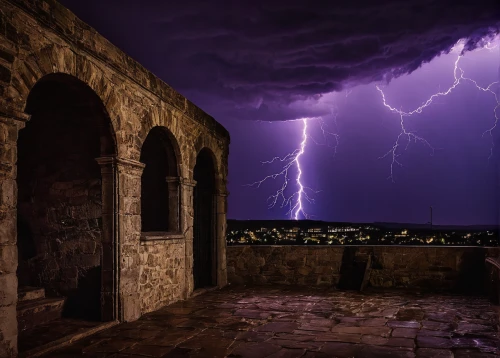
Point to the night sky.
(259, 67)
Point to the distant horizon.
(369, 222)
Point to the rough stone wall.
(162, 273)
(294, 265)
(443, 268)
(38, 38)
(8, 247)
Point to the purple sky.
(253, 66)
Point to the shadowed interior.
(60, 193)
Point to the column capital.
(187, 182)
(173, 180)
(112, 160)
(222, 193)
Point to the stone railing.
(436, 268)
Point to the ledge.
(161, 236)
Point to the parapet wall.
(437, 268)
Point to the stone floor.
(304, 322)
(51, 331)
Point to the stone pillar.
(129, 235)
(121, 234)
(220, 199)
(186, 222)
(110, 306)
(173, 204)
(11, 122)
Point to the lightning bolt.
(332, 143)
(297, 209)
(409, 136)
(290, 162)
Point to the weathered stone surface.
(404, 324)
(435, 268)
(255, 350)
(434, 353)
(433, 342)
(404, 332)
(208, 326)
(162, 273)
(436, 326)
(8, 332)
(278, 327)
(288, 353)
(378, 331)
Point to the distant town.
(309, 232)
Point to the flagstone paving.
(288, 322)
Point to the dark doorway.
(204, 268)
(159, 203)
(59, 208)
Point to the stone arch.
(161, 116)
(69, 250)
(53, 59)
(205, 261)
(160, 196)
(204, 143)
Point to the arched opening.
(159, 183)
(204, 245)
(60, 221)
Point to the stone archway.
(160, 183)
(65, 238)
(204, 225)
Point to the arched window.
(159, 183)
(204, 244)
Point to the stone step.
(42, 310)
(28, 293)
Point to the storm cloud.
(256, 57)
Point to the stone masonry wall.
(446, 268)
(162, 273)
(8, 247)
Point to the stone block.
(8, 331)
(8, 154)
(8, 193)
(8, 259)
(8, 289)
(129, 224)
(131, 309)
(8, 227)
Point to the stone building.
(112, 184)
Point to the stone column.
(110, 306)
(220, 199)
(173, 204)
(186, 222)
(129, 235)
(121, 182)
(11, 122)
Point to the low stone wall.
(441, 268)
(161, 273)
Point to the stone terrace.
(304, 322)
